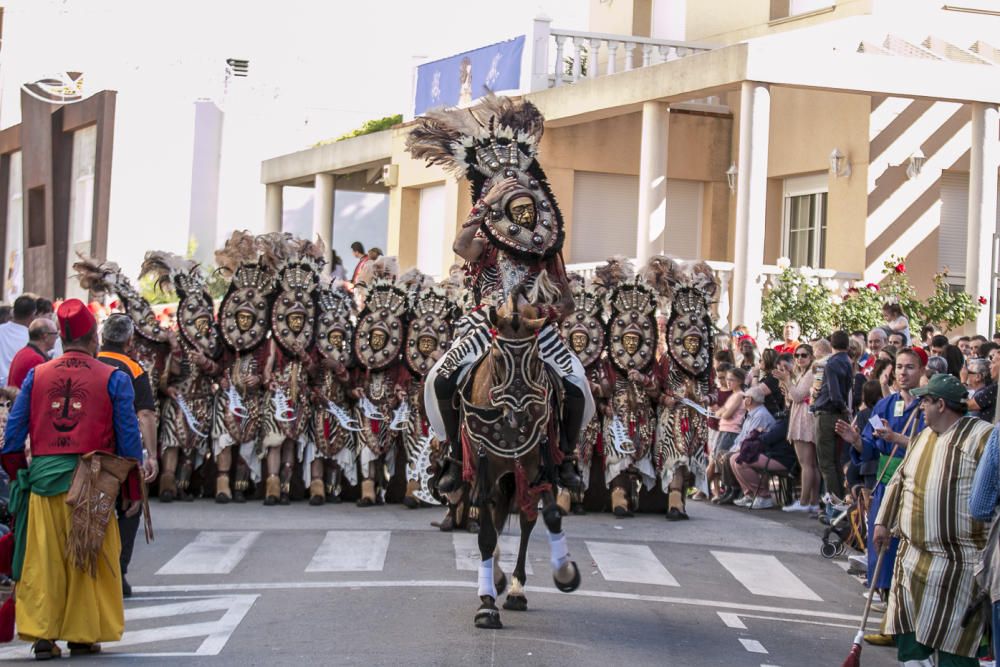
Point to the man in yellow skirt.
(71, 406)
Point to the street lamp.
(915, 164)
(731, 174)
(839, 165)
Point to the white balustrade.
(589, 45)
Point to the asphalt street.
(249, 585)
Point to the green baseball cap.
(943, 385)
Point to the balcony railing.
(563, 57)
(723, 273)
(837, 282)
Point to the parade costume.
(151, 346)
(381, 385)
(630, 421)
(192, 371)
(244, 323)
(684, 375)
(507, 244)
(78, 413)
(286, 412)
(333, 451)
(428, 335)
(584, 331)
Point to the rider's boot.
(451, 478)
(572, 416)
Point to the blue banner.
(466, 77)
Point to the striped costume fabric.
(927, 505)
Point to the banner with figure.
(464, 78)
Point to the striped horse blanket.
(927, 505)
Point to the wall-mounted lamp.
(915, 164)
(731, 174)
(839, 165)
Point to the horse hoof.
(501, 584)
(488, 616)
(573, 584)
(516, 603)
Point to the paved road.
(248, 585)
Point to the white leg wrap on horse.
(486, 585)
(559, 554)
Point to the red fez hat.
(75, 319)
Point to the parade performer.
(381, 379)
(513, 233)
(684, 377)
(584, 332)
(192, 371)
(428, 335)
(629, 418)
(333, 451)
(79, 415)
(150, 348)
(287, 409)
(244, 323)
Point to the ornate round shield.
(689, 331)
(196, 324)
(293, 314)
(378, 339)
(243, 315)
(429, 332)
(583, 330)
(632, 329)
(526, 221)
(334, 325)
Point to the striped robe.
(927, 505)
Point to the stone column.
(652, 181)
(273, 207)
(751, 202)
(982, 208)
(324, 191)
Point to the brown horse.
(510, 416)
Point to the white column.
(323, 196)
(982, 208)
(541, 36)
(273, 207)
(751, 202)
(652, 181)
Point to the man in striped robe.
(927, 505)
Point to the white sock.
(486, 585)
(559, 554)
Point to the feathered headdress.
(240, 248)
(414, 280)
(661, 273)
(615, 271)
(173, 273)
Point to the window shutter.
(953, 232)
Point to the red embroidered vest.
(70, 407)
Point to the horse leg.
(516, 600)
(565, 573)
(487, 616)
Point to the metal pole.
(994, 277)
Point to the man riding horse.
(513, 232)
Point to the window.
(804, 221)
(783, 9)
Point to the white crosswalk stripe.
(351, 551)
(212, 552)
(763, 574)
(467, 553)
(631, 563)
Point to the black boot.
(569, 434)
(451, 478)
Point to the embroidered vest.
(70, 407)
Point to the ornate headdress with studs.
(293, 315)
(243, 314)
(583, 330)
(493, 141)
(195, 310)
(632, 329)
(428, 334)
(102, 278)
(378, 340)
(335, 324)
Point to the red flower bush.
(872, 286)
(901, 268)
(982, 301)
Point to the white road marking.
(212, 552)
(467, 556)
(446, 583)
(732, 620)
(351, 551)
(765, 575)
(753, 645)
(216, 633)
(632, 563)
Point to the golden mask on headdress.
(426, 344)
(631, 342)
(296, 322)
(202, 324)
(522, 211)
(377, 339)
(336, 339)
(244, 320)
(578, 340)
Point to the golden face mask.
(579, 341)
(630, 342)
(336, 339)
(692, 344)
(202, 325)
(426, 345)
(296, 322)
(244, 321)
(377, 340)
(522, 211)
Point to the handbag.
(751, 448)
(92, 494)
